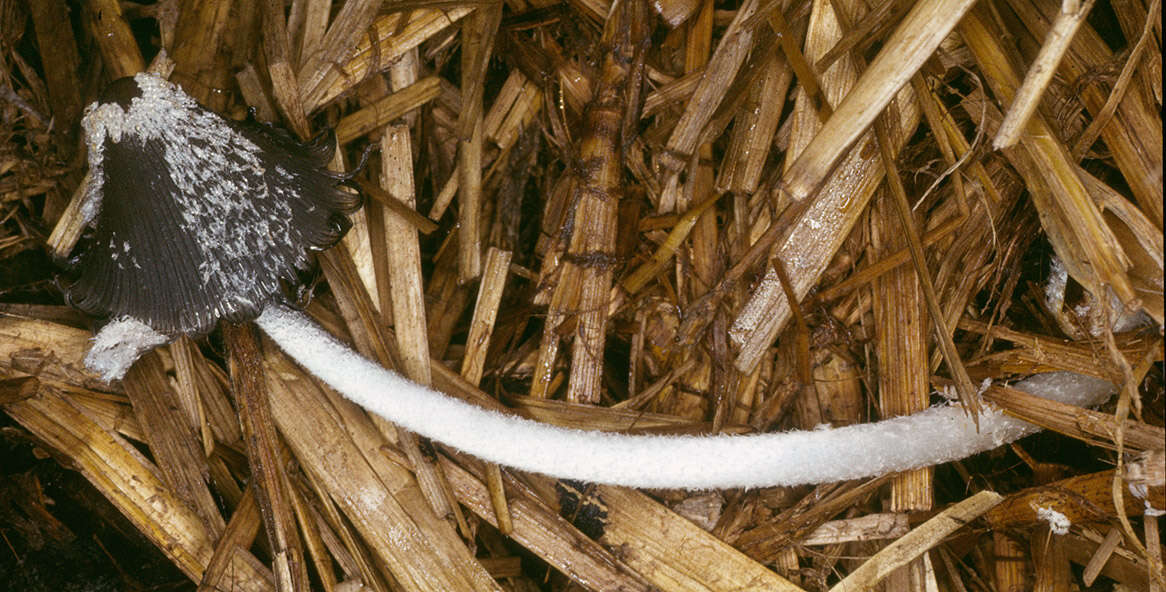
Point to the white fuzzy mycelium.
(940, 434)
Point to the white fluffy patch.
(1058, 522)
(118, 345)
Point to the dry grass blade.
(485, 313)
(61, 76)
(865, 528)
(754, 129)
(1120, 567)
(1089, 136)
(338, 447)
(1101, 556)
(264, 452)
(479, 31)
(827, 219)
(714, 82)
(544, 532)
(361, 55)
(134, 485)
(69, 226)
(403, 273)
(589, 234)
(1087, 241)
(909, 46)
(114, 39)
(653, 533)
(1134, 136)
(387, 109)
(175, 445)
(963, 384)
(918, 541)
(240, 533)
(281, 68)
(1041, 71)
(1085, 498)
(668, 248)
(1091, 426)
(317, 66)
(901, 330)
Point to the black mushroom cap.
(121, 92)
(201, 218)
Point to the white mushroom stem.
(937, 435)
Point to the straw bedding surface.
(668, 217)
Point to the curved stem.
(934, 436)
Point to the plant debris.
(666, 217)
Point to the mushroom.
(197, 218)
